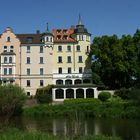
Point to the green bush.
(123, 93)
(104, 96)
(12, 98)
(44, 95)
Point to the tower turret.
(47, 38)
(80, 32)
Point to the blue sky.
(101, 17)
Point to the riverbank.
(13, 133)
(114, 108)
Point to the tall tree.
(115, 61)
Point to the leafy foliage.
(130, 94)
(12, 98)
(115, 62)
(14, 133)
(44, 95)
(104, 96)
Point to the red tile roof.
(63, 35)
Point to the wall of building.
(35, 66)
(14, 41)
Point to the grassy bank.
(16, 134)
(114, 108)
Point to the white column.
(95, 93)
(74, 93)
(53, 94)
(84, 93)
(64, 94)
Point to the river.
(126, 128)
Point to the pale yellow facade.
(36, 60)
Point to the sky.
(100, 17)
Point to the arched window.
(68, 82)
(59, 82)
(5, 59)
(79, 93)
(10, 59)
(59, 94)
(77, 81)
(90, 93)
(69, 93)
(8, 39)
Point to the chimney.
(37, 32)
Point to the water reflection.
(127, 129)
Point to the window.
(65, 37)
(58, 31)
(87, 49)
(64, 31)
(29, 40)
(28, 60)
(78, 48)
(80, 59)
(81, 37)
(41, 71)
(41, 60)
(28, 93)
(50, 39)
(59, 70)
(10, 71)
(5, 59)
(28, 83)
(69, 59)
(69, 70)
(10, 59)
(5, 48)
(47, 39)
(68, 48)
(59, 59)
(80, 70)
(5, 71)
(11, 48)
(28, 71)
(41, 83)
(8, 39)
(41, 49)
(58, 37)
(60, 48)
(28, 49)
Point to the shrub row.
(11, 134)
(113, 109)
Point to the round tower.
(80, 32)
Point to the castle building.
(58, 57)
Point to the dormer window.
(58, 37)
(59, 31)
(64, 31)
(65, 37)
(29, 40)
(5, 48)
(8, 39)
